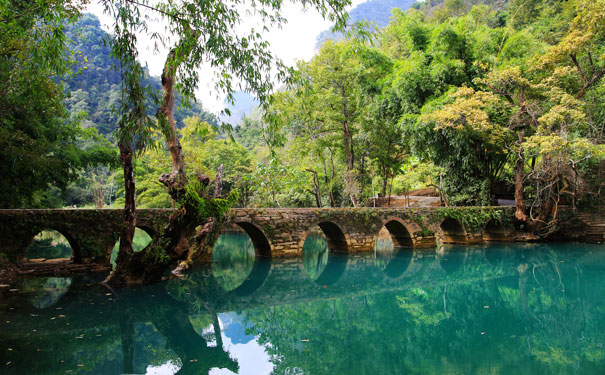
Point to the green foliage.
(472, 218)
(454, 90)
(196, 197)
(375, 12)
(95, 89)
(41, 148)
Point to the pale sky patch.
(294, 41)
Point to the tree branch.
(176, 16)
(588, 84)
(580, 71)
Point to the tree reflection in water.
(315, 253)
(232, 259)
(529, 309)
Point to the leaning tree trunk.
(166, 115)
(192, 227)
(181, 241)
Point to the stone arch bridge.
(278, 233)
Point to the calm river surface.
(498, 309)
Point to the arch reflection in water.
(325, 253)
(452, 258)
(236, 265)
(392, 250)
(315, 253)
(49, 244)
(499, 253)
(545, 301)
(383, 248)
(232, 259)
(44, 292)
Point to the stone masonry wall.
(92, 233)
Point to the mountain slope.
(96, 89)
(377, 11)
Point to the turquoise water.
(499, 309)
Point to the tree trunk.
(128, 344)
(332, 199)
(218, 182)
(350, 162)
(129, 217)
(520, 213)
(385, 180)
(348, 138)
(217, 331)
(179, 240)
(316, 187)
(166, 114)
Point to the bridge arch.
(74, 244)
(337, 239)
(494, 230)
(394, 235)
(262, 245)
(261, 265)
(337, 252)
(147, 229)
(140, 242)
(400, 233)
(452, 231)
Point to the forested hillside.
(94, 91)
(377, 12)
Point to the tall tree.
(332, 101)
(204, 31)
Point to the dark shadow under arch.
(399, 234)
(494, 231)
(337, 254)
(402, 258)
(262, 247)
(452, 231)
(335, 268)
(256, 278)
(337, 242)
(76, 251)
(453, 259)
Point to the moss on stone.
(472, 218)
